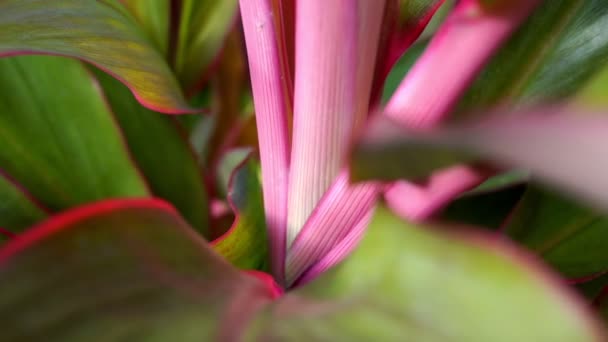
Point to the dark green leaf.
(483, 209)
(568, 236)
(592, 288)
(58, 137)
(100, 32)
(162, 152)
(407, 283)
(121, 271)
(17, 209)
(558, 49)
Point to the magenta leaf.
(559, 149)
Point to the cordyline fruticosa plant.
(416, 170)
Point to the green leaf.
(58, 138)
(245, 244)
(203, 26)
(502, 180)
(551, 56)
(123, 270)
(407, 283)
(594, 93)
(162, 152)
(17, 209)
(568, 236)
(153, 17)
(100, 32)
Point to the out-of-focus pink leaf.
(99, 32)
(563, 150)
(464, 42)
(550, 56)
(403, 23)
(418, 201)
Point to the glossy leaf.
(415, 284)
(59, 139)
(121, 270)
(18, 210)
(99, 32)
(202, 28)
(568, 236)
(245, 244)
(553, 147)
(162, 152)
(558, 49)
(153, 17)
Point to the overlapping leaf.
(488, 209)
(568, 236)
(245, 244)
(162, 152)
(563, 150)
(557, 50)
(153, 17)
(121, 270)
(413, 284)
(100, 32)
(58, 137)
(203, 26)
(17, 209)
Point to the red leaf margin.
(65, 219)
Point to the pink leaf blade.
(272, 120)
(340, 211)
(466, 40)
